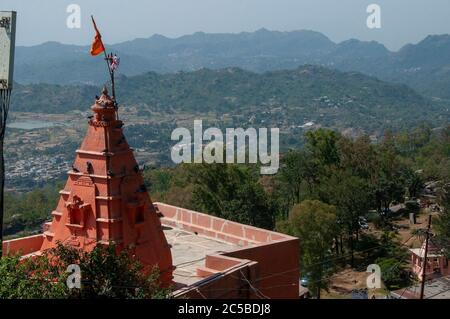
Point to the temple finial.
(105, 90)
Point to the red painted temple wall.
(23, 246)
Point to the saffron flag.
(97, 45)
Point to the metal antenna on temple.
(109, 62)
(7, 45)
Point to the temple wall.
(274, 257)
(24, 246)
(278, 267)
(215, 227)
(263, 264)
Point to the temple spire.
(105, 200)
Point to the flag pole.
(110, 71)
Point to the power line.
(257, 292)
(424, 266)
(5, 99)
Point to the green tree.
(314, 223)
(170, 185)
(352, 198)
(26, 212)
(442, 223)
(358, 156)
(232, 192)
(393, 273)
(414, 182)
(388, 181)
(30, 278)
(291, 175)
(298, 168)
(104, 274)
(323, 144)
(393, 260)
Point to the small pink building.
(436, 266)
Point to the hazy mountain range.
(424, 67)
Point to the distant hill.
(424, 66)
(52, 98)
(258, 51)
(287, 98)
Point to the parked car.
(363, 223)
(304, 281)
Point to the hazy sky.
(403, 21)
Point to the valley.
(52, 118)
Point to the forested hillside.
(286, 99)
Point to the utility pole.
(424, 265)
(7, 46)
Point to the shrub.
(104, 274)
